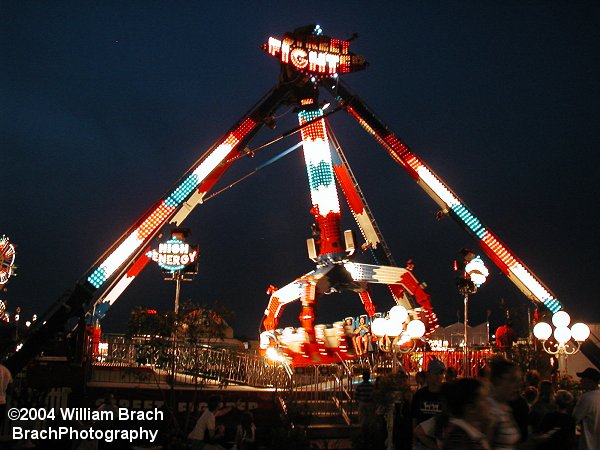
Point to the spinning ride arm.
(358, 205)
(374, 238)
(448, 201)
(113, 272)
(323, 166)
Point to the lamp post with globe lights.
(473, 275)
(399, 329)
(563, 335)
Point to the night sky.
(105, 105)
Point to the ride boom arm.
(115, 269)
(178, 203)
(450, 203)
(370, 230)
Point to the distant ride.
(7, 259)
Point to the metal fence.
(187, 362)
(153, 359)
(184, 362)
(417, 361)
(324, 385)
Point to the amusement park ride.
(310, 62)
(7, 260)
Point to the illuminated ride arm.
(450, 203)
(358, 205)
(369, 273)
(312, 343)
(110, 275)
(404, 281)
(307, 344)
(326, 212)
(177, 204)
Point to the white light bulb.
(415, 328)
(542, 331)
(399, 313)
(477, 278)
(562, 335)
(378, 327)
(561, 319)
(477, 271)
(580, 332)
(393, 327)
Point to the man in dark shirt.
(520, 411)
(559, 425)
(427, 401)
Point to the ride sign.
(311, 53)
(174, 255)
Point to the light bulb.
(399, 313)
(561, 319)
(477, 278)
(580, 331)
(415, 328)
(378, 327)
(542, 331)
(393, 327)
(562, 335)
(477, 271)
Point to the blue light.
(182, 191)
(98, 277)
(320, 175)
(469, 220)
(553, 305)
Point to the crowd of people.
(500, 409)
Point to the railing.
(184, 362)
(187, 362)
(344, 396)
(321, 385)
(417, 361)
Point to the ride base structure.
(310, 63)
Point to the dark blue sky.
(104, 105)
